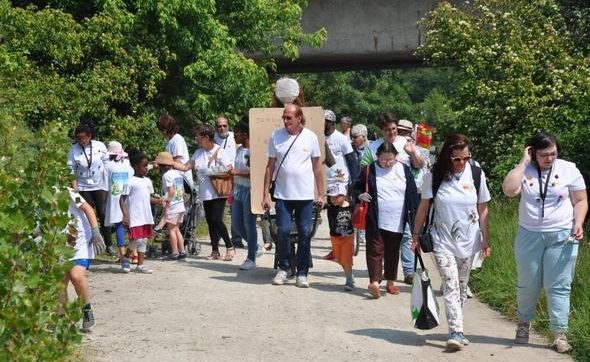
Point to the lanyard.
(543, 193)
(88, 159)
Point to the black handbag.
(425, 236)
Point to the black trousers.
(98, 200)
(217, 229)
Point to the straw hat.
(164, 158)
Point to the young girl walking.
(137, 212)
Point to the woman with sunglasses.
(459, 226)
(553, 205)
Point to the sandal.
(267, 246)
(392, 289)
(374, 291)
(229, 254)
(214, 256)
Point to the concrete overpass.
(361, 34)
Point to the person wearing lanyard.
(86, 159)
(553, 205)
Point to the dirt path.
(203, 310)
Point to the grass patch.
(495, 283)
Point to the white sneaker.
(301, 281)
(247, 265)
(560, 343)
(143, 269)
(280, 278)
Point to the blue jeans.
(407, 255)
(544, 260)
(302, 211)
(243, 220)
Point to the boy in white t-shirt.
(84, 235)
(173, 201)
(137, 212)
(118, 171)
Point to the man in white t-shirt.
(297, 151)
(340, 147)
(225, 139)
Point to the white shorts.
(140, 245)
(175, 219)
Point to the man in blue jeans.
(297, 151)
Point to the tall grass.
(495, 283)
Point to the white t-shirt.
(177, 147)
(295, 179)
(88, 165)
(228, 144)
(340, 146)
(391, 192)
(79, 226)
(220, 164)
(138, 191)
(118, 174)
(173, 178)
(370, 153)
(455, 228)
(559, 211)
(242, 164)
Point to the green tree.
(518, 73)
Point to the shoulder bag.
(359, 216)
(222, 183)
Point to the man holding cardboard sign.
(297, 151)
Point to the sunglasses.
(460, 159)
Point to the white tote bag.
(425, 311)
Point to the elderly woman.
(459, 225)
(86, 160)
(553, 205)
(391, 193)
(210, 160)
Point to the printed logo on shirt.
(178, 189)
(118, 182)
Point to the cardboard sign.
(263, 122)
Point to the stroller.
(194, 215)
(269, 229)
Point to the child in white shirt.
(173, 202)
(137, 212)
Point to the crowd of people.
(403, 189)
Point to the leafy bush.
(33, 323)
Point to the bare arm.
(90, 215)
(421, 215)
(270, 169)
(511, 185)
(183, 166)
(319, 180)
(482, 209)
(123, 205)
(416, 158)
(580, 201)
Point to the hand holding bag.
(223, 182)
(425, 236)
(359, 216)
(423, 302)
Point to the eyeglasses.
(460, 159)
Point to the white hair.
(359, 129)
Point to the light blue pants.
(544, 260)
(407, 255)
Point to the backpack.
(475, 174)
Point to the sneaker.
(87, 319)
(280, 278)
(301, 281)
(125, 266)
(468, 292)
(158, 231)
(522, 333)
(464, 340)
(329, 256)
(560, 343)
(454, 342)
(247, 265)
(171, 257)
(181, 256)
(109, 250)
(143, 269)
(349, 285)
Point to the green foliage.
(31, 269)
(518, 73)
(417, 94)
(495, 282)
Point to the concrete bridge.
(361, 34)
